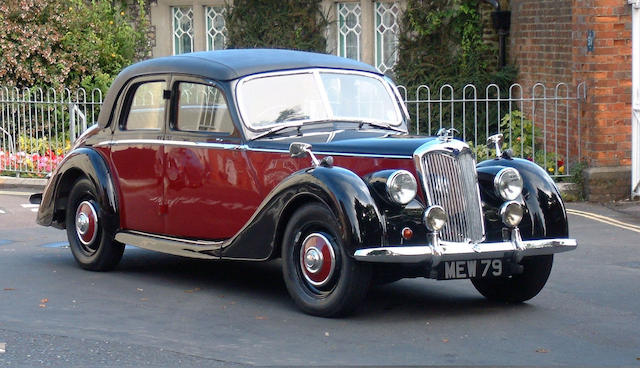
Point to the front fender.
(545, 215)
(341, 190)
(79, 162)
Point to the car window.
(202, 108)
(357, 97)
(282, 98)
(147, 107)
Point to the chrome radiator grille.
(451, 182)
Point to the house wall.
(161, 20)
(548, 43)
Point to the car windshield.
(273, 100)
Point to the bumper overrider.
(437, 251)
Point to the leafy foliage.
(440, 43)
(54, 43)
(291, 24)
(525, 141)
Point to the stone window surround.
(161, 14)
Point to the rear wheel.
(90, 238)
(320, 277)
(521, 287)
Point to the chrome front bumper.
(439, 251)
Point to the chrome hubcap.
(82, 223)
(313, 260)
(86, 222)
(317, 259)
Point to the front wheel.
(90, 236)
(320, 277)
(521, 287)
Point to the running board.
(179, 247)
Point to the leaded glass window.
(182, 29)
(387, 25)
(216, 28)
(349, 30)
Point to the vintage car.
(261, 154)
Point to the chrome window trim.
(241, 101)
(168, 143)
(242, 147)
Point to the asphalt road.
(166, 311)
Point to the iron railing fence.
(543, 124)
(38, 126)
(539, 123)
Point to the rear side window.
(202, 108)
(147, 107)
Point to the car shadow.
(419, 298)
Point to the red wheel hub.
(86, 222)
(317, 259)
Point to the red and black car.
(259, 154)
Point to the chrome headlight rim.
(401, 192)
(510, 209)
(508, 183)
(435, 218)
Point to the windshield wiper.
(278, 129)
(379, 125)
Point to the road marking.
(3, 347)
(9, 192)
(605, 219)
(2, 212)
(32, 207)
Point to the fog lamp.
(435, 218)
(511, 213)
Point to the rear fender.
(81, 162)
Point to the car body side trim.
(240, 147)
(165, 244)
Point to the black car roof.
(226, 65)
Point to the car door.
(137, 154)
(209, 189)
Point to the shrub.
(440, 43)
(55, 43)
(291, 24)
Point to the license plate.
(450, 270)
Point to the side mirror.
(496, 141)
(299, 149)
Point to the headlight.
(435, 218)
(511, 213)
(508, 183)
(402, 187)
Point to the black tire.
(339, 291)
(521, 287)
(95, 249)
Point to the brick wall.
(548, 43)
(540, 46)
(607, 70)
(540, 41)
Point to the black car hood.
(350, 142)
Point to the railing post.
(72, 121)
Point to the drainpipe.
(635, 99)
(501, 23)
